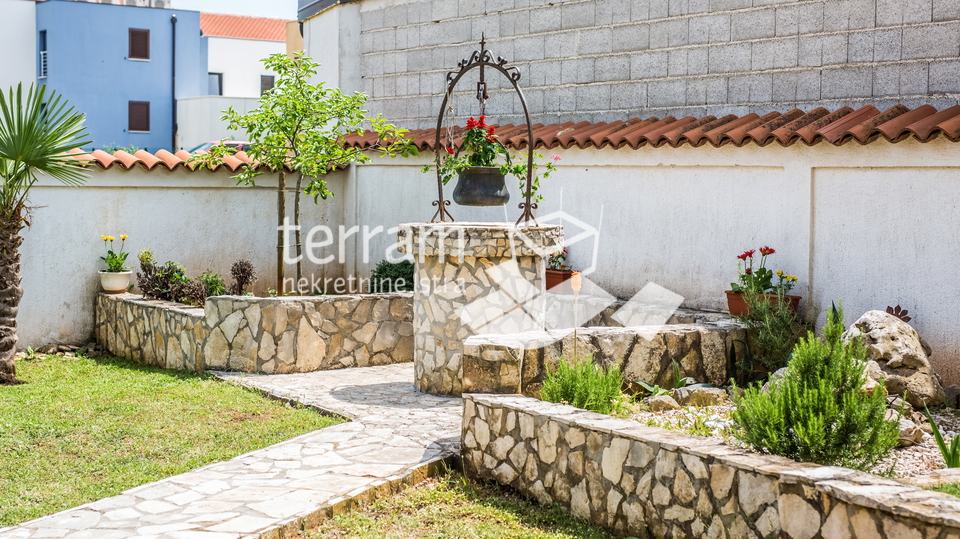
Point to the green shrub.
(585, 385)
(214, 283)
(819, 412)
(774, 330)
(390, 277)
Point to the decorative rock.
(699, 396)
(661, 402)
(910, 433)
(900, 355)
(952, 396)
(798, 519)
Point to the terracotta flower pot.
(558, 281)
(481, 186)
(738, 306)
(115, 282)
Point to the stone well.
(472, 278)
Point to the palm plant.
(36, 131)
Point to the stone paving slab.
(396, 437)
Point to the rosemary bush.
(819, 412)
(774, 329)
(585, 385)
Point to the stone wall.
(617, 59)
(251, 334)
(649, 482)
(493, 363)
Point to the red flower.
(450, 151)
(746, 254)
(482, 123)
(767, 250)
(471, 123)
(748, 271)
(490, 131)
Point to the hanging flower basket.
(481, 186)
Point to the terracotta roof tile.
(218, 25)
(820, 125)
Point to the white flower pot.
(115, 282)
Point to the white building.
(237, 45)
(18, 40)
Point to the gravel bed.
(714, 422)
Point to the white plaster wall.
(199, 120)
(199, 219)
(321, 38)
(239, 61)
(870, 225)
(18, 41)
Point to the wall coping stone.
(845, 485)
(490, 240)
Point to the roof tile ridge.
(103, 159)
(656, 137)
(542, 138)
(638, 138)
(582, 139)
(809, 133)
(837, 132)
(763, 134)
(624, 136)
(867, 131)
(787, 134)
(147, 159)
(927, 128)
(604, 138)
(676, 137)
(697, 136)
(951, 128)
(736, 131)
(128, 161)
(169, 160)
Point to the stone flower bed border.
(645, 481)
(250, 334)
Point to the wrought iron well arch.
(482, 59)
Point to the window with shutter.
(138, 118)
(266, 83)
(139, 44)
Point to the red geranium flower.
(748, 271)
(471, 123)
(767, 250)
(451, 151)
(746, 254)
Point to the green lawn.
(83, 429)
(450, 507)
(948, 488)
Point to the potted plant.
(116, 278)
(558, 273)
(480, 179)
(759, 280)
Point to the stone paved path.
(397, 436)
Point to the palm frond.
(37, 129)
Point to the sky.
(276, 9)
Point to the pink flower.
(556, 157)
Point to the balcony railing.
(43, 64)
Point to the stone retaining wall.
(250, 334)
(649, 482)
(493, 363)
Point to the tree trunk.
(281, 212)
(10, 294)
(296, 223)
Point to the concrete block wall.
(602, 60)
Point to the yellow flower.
(123, 237)
(103, 237)
(111, 238)
(780, 273)
(793, 278)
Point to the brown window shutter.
(139, 44)
(138, 116)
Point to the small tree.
(819, 410)
(36, 131)
(301, 127)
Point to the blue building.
(116, 64)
